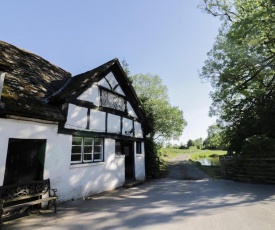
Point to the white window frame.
(96, 149)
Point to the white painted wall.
(77, 117)
(131, 111)
(114, 123)
(91, 95)
(97, 120)
(57, 145)
(138, 130)
(81, 180)
(127, 125)
(140, 163)
(71, 181)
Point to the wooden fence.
(252, 169)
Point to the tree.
(125, 67)
(199, 143)
(190, 143)
(214, 138)
(167, 121)
(241, 68)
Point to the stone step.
(132, 183)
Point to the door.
(129, 160)
(25, 160)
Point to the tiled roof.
(80, 82)
(29, 81)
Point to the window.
(86, 150)
(138, 147)
(112, 100)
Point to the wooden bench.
(16, 198)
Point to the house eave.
(14, 117)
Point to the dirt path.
(180, 168)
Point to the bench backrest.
(24, 190)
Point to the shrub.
(259, 146)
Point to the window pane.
(77, 140)
(138, 147)
(97, 156)
(76, 149)
(88, 149)
(111, 100)
(98, 141)
(97, 149)
(76, 157)
(88, 141)
(87, 157)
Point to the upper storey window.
(112, 100)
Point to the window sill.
(72, 166)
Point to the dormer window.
(112, 100)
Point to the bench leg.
(55, 208)
(52, 202)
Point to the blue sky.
(167, 38)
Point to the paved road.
(165, 204)
(181, 168)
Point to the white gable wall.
(114, 123)
(131, 110)
(127, 125)
(113, 82)
(138, 130)
(92, 95)
(97, 120)
(77, 117)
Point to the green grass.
(206, 153)
(172, 152)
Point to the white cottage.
(86, 133)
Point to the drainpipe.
(2, 78)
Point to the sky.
(168, 38)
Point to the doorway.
(127, 148)
(25, 160)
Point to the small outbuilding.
(86, 133)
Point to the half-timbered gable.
(100, 104)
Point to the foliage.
(190, 143)
(206, 153)
(125, 67)
(241, 69)
(166, 121)
(215, 138)
(151, 158)
(259, 145)
(199, 143)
